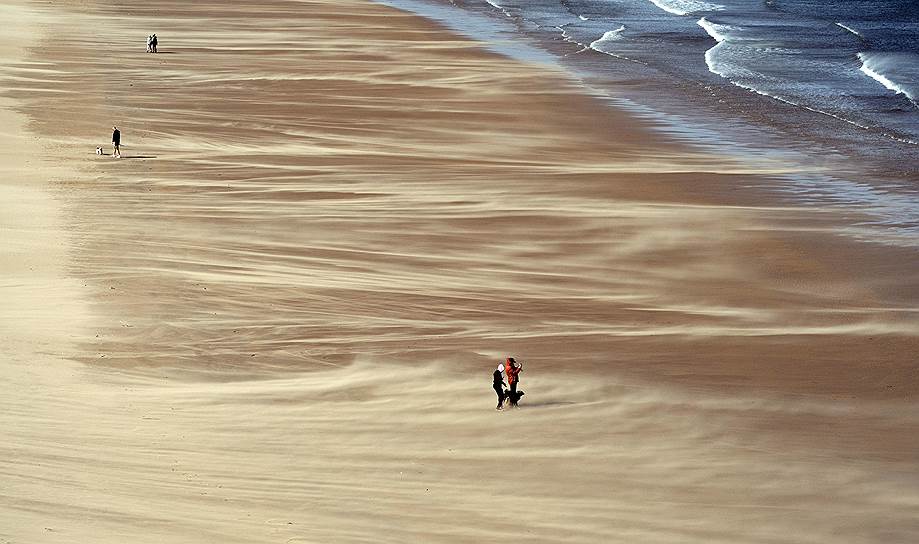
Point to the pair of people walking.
(151, 43)
(510, 368)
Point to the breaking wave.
(685, 7)
(607, 37)
(898, 72)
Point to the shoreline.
(795, 252)
(788, 249)
(832, 170)
(813, 133)
(330, 224)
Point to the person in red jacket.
(512, 369)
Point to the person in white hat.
(499, 386)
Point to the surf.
(850, 30)
(686, 7)
(892, 71)
(607, 37)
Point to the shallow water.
(784, 81)
(802, 53)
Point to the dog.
(511, 399)
(99, 150)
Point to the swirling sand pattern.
(332, 219)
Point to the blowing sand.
(275, 319)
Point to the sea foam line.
(567, 37)
(685, 7)
(496, 5)
(717, 33)
(607, 37)
(871, 71)
(850, 29)
(714, 30)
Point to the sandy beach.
(275, 319)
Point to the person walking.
(499, 386)
(513, 370)
(150, 43)
(116, 143)
(153, 41)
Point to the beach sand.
(275, 320)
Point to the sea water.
(829, 85)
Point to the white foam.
(886, 67)
(719, 32)
(850, 29)
(724, 34)
(496, 5)
(718, 59)
(567, 37)
(685, 7)
(607, 37)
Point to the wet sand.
(275, 319)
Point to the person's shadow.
(127, 156)
(547, 404)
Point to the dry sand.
(275, 320)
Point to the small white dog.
(99, 150)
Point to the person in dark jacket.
(499, 386)
(116, 142)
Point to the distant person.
(116, 142)
(499, 386)
(512, 370)
(150, 43)
(153, 41)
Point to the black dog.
(512, 397)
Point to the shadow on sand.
(125, 157)
(546, 404)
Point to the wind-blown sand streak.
(335, 218)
